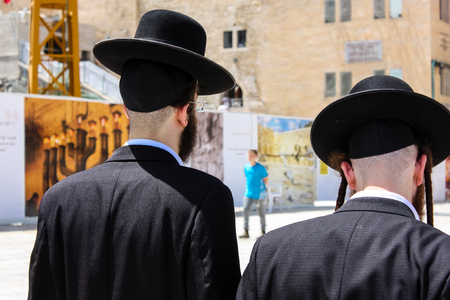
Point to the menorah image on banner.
(64, 137)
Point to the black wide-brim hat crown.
(381, 98)
(171, 38)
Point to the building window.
(379, 72)
(330, 84)
(228, 39)
(445, 81)
(242, 38)
(346, 83)
(346, 10)
(444, 10)
(396, 73)
(378, 9)
(329, 11)
(396, 8)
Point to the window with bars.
(228, 39)
(378, 9)
(346, 10)
(444, 10)
(242, 38)
(395, 8)
(445, 82)
(330, 11)
(346, 83)
(234, 97)
(330, 84)
(379, 72)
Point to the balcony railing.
(91, 75)
(100, 80)
(236, 102)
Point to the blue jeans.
(261, 211)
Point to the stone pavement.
(16, 243)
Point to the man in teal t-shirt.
(257, 179)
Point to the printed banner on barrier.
(64, 137)
(12, 155)
(285, 150)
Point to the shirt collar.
(146, 142)
(386, 194)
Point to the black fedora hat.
(171, 38)
(381, 98)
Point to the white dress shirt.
(386, 194)
(145, 142)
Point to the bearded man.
(141, 225)
(384, 139)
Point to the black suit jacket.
(139, 226)
(371, 248)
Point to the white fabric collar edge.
(146, 142)
(386, 194)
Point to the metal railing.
(91, 75)
(24, 51)
(236, 102)
(100, 80)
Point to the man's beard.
(188, 137)
(419, 201)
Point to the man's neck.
(399, 192)
(169, 140)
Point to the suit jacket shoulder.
(369, 249)
(138, 226)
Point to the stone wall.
(300, 48)
(290, 48)
(112, 18)
(440, 50)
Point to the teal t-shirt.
(254, 177)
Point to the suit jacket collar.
(142, 153)
(375, 204)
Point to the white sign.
(240, 134)
(327, 182)
(438, 180)
(363, 51)
(12, 157)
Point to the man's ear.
(182, 115)
(349, 174)
(125, 111)
(419, 170)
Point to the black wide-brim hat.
(381, 98)
(171, 38)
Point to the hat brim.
(332, 127)
(212, 78)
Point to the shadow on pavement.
(288, 210)
(17, 228)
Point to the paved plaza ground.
(16, 243)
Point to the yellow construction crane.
(57, 53)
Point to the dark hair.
(428, 184)
(335, 161)
(187, 96)
(254, 151)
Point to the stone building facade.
(294, 57)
